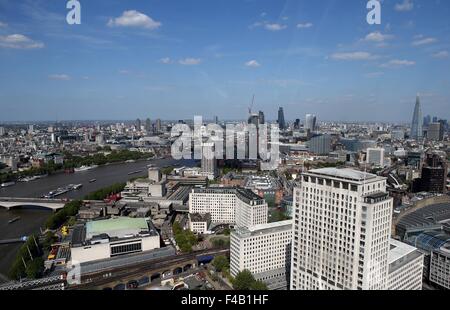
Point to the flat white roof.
(263, 228)
(398, 250)
(345, 173)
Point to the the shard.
(416, 125)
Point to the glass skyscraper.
(281, 122)
(417, 125)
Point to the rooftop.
(400, 254)
(345, 173)
(264, 228)
(120, 227)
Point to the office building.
(138, 124)
(310, 122)
(148, 125)
(253, 119)
(405, 267)
(236, 206)
(262, 119)
(440, 266)
(199, 223)
(341, 233)
(104, 239)
(434, 175)
(426, 121)
(435, 132)
(158, 125)
(2, 131)
(209, 161)
(281, 121)
(416, 125)
(375, 156)
(264, 250)
(320, 144)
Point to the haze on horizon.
(176, 59)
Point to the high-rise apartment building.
(417, 125)
(341, 232)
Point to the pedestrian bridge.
(52, 204)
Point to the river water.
(31, 219)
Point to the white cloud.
(134, 18)
(353, 56)
(263, 14)
(304, 25)
(395, 63)
(275, 27)
(3, 24)
(19, 41)
(253, 63)
(190, 61)
(423, 41)
(59, 77)
(406, 5)
(377, 37)
(441, 54)
(166, 60)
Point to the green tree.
(243, 280)
(220, 263)
(35, 268)
(259, 286)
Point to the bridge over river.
(52, 204)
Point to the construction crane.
(251, 106)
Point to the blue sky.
(175, 59)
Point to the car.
(132, 284)
(144, 280)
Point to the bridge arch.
(11, 204)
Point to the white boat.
(85, 168)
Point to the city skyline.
(135, 59)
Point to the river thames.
(32, 219)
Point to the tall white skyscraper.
(341, 232)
